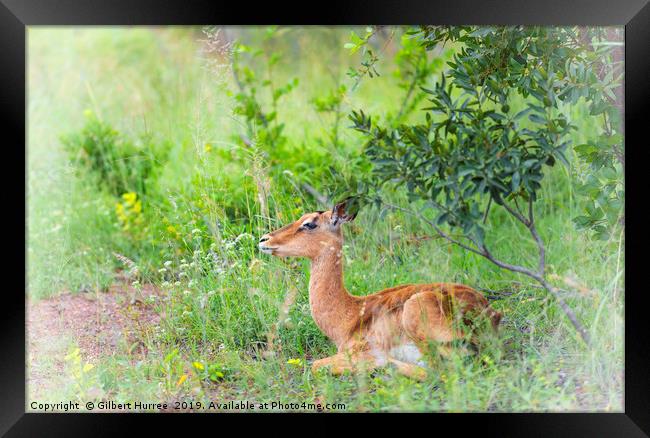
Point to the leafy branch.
(473, 151)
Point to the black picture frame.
(15, 15)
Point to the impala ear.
(344, 211)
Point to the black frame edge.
(150, 12)
(637, 96)
(13, 80)
(12, 119)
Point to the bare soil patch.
(100, 324)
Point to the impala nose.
(264, 238)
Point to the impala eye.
(309, 225)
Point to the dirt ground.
(98, 323)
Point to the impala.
(394, 326)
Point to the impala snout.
(264, 246)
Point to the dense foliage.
(495, 120)
(114, 162)
(474, 143)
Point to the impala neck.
(332, 307)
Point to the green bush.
(112, 161)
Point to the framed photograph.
(397, 207)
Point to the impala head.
(310, 234)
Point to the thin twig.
(520, 217)
(322, 199)
(538, 239)
(406, 98)
(487, 210)
(435, 227)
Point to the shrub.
(473, 151)
(112, 161)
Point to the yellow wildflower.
(208, 147)
(74, 354)
(129, 198)
(198, 365)
(295, 362)
(182, 379)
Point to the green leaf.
(516, 179)
(537, 119)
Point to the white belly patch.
(407, 352)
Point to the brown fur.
(367, 327)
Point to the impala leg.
(322, 363)
(408, 369)
(346, 361)
(424, 319)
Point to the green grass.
(222, 298)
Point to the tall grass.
(234, 319)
